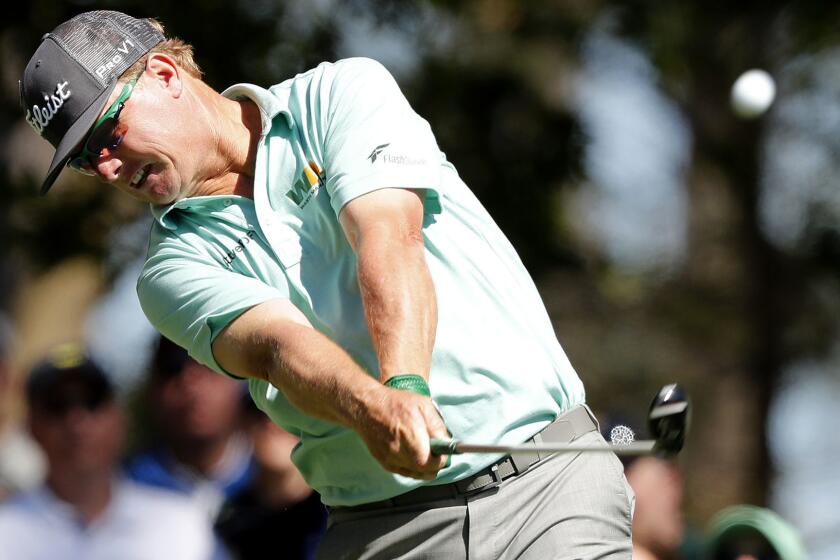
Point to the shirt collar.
(160, 212)
(271, 103)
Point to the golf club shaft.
(454, 447)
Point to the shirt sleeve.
(191, 302)
(374, 139)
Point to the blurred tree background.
(671, 240)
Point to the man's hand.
(397, 426)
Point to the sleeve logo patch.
(393, 159)
(376, 151)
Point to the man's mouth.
(140, 177)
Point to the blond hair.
(176, 49)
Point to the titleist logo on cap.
(39, 117)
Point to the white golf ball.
(753, 93)
(622, 435)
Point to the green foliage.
(511, 149)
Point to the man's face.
(196, 403)
(147, 163)
(80, 430)
(149, 152)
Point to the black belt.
(566, 428)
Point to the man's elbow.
(253, 344)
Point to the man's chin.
(161, 195)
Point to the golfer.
(313, 239)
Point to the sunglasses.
(105, 135)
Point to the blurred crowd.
(187, 467)
(184, 467)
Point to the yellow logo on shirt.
(303, 191)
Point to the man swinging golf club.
(313, 239)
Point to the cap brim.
(74, 136)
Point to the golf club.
(668, 421)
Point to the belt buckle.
(495, 481)
(494, 474)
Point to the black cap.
(71, 76)
(67, 361)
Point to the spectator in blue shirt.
(199, 448)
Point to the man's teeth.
(138, 176)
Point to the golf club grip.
(444, 446)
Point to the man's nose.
(108, 168)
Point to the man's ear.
(165, 72)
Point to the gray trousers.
(569, 506)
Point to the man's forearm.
(273, 341)
(400, 303)
(319, 378)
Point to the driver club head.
(669, 418)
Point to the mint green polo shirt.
(330, 135)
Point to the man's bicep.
(391, 211)
(248, 345)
